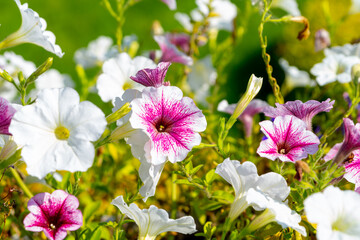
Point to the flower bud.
(322, 40)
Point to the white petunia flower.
(295, 77)
(32, 30)
(267, 191)
(347, 50)
(57, 132)
(117, 71)
(96, 53)
(52, 78)
(334, 67)
(153, 221)
(225, 12)
(202, 76)
(289, 6)
(13, 64)
(336, 213)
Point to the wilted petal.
(152, 77)
(287, 139)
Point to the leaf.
(210, 176)
(196, 169)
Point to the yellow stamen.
(62, 133)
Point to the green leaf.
(196, 169)
(210, 176)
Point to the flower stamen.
(62, 133)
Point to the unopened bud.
(6, 76)
(157, 28)
(355, 71)
(121, 112)
(40, 70)
(305, 33)
(322, 39)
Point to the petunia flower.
(13, 64)
(335, 212)
(347, 50)
(289, 6)
(153, 221)
(6, 113)
(152, 77)
(351, 164)
(52, 78)
(334, 67)
(57, 132)
(267, 191)
(170, 53)
(202, 76)
(246, 117)
(287, 139)
(171, 3)
(54, 214)
(322, 39)
(180, 40)
(295, 77)
(96, 53)
(225, 12)
(351, 141)
(171, 121)
(275, 210)
(32, 30)
(305, 111)
(117, 71)
(137, 139)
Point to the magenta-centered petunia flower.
(351, 140)
(54, 214)
(170, 53)
(6, 114)
(305, 111)
(287, 139)
(153, 77)
(171, 121)
(351, 164)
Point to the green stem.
(173, 195)
(266, 56)
(21, 183)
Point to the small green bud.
(40, 70)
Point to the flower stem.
(22, 185)
(266, 57)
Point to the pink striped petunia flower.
(287, 139)
(351, 164)
(6, 114)
(54, 214)
(171, 121)
(305, 111)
